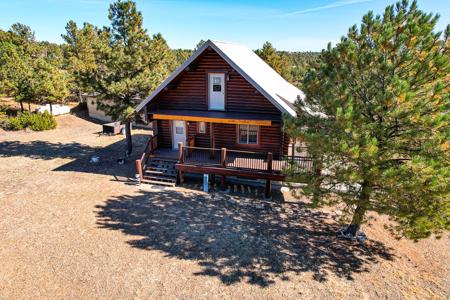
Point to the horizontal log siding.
(285, 143)
(164, 134)
(201, 139)
(190, 92)
(270, 138)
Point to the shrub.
(40, 122)
(36, 122)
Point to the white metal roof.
(275, 88)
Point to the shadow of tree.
(239, 240)
(80, 155)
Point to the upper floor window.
(248, 134)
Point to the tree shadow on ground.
(239, 240)
(80, 155)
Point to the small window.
(217, 84)
(201, 127)
(179, 130)
(248, 134)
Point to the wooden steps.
(160, 171)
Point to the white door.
(178, 133)
(216, 91)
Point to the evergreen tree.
(130, 64)
(15, 72)
(270, 55)
(80, 55)
(28, 67)
(181, 55)
(376, 122)
(17, 51)
(199, 44)
(50, 83)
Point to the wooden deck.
(227, 162)
(208, 157)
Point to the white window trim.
(199, 126)
(248, 129)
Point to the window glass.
(217, 84)
(252, 134)
(248, 134)
(242, 134)
(201, 127)
(179, 130)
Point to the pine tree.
(199, 44)
(270, 55)
(376, 122)
(15, 72)
(130, 64)
(17, 51)
(80, 55)
(50, 84)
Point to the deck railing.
(150, 148)
(200, 156)
(247, 160)
(244, 160)
(294, 164)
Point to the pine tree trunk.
(29, 107)
(360, 211)
(21, 105)
(128, 138)
(51, 109)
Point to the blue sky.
(290, 25)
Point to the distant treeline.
(293, 64)
(34, 71)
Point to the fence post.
(139, 169)
(269, 170)
(223, 162)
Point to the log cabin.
(220, 113)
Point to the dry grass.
(72, 229)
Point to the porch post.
(269, 170)
(139, 169)
(180, 161)
(212, 138)
(223, 162)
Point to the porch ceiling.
(214, 117)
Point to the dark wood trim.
(212, 135)
(171, 134)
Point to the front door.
(178, 133)
(216, 91)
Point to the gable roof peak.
(256, 71)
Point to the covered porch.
(225, 162)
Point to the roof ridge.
(229, 43)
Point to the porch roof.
(214, 117)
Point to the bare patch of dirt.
(73, 229)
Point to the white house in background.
(100, 115)
(93, 111)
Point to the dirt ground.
(78, 230)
